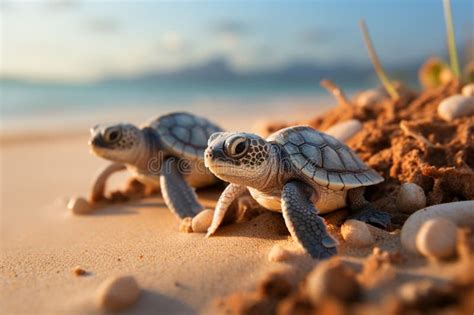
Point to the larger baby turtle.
(298, 171)
(166, 152)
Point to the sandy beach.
(42, 242)
(179, 273)
(359, 139)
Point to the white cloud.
(172, 42)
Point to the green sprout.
(453, 54)
(375, 61)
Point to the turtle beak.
(214, 155)
(94, 129)
(96, 137)
(208, 156)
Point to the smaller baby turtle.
(298, 171)
(166, 152)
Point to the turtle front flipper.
(178, 195)
(303, 222)
(230, 193)
(100, 181)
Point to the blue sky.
(85, 40)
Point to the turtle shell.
(324, 159)
(183, 134)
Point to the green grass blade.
(377, 65)
(453, 54)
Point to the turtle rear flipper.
(304, 224)
(364, 211)
(178, 195)
(98, 186)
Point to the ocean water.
(240, 103)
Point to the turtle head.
(116, 142)
(240, 158)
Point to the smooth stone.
(410, 198)
(202, 221)
(370, 97)
(278, 254)
(345, 130)
(461, 213)
(456, 106)
(468, 90)
(437, 238)
(357, 233)
(79, 205)
(117, 293)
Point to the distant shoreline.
(231, 116)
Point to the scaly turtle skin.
(166, 152)
(298, 171)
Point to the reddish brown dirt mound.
(406, 141)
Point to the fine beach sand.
(179, 273)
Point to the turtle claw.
(373, 217)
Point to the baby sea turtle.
(166, 152)
(298, 171)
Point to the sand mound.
(406, 141)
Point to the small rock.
(345, 130)
(437, 238)
(468, 90)
(412, 292)
(79, 205)
(117, 293)
(186, 225)
(331, 279)
(370, 97)
(357, 233)
(460, 213)
(410, 198)
(278, 254)
(78, 271)
(202, 221)
(456, 106)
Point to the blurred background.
(74, 63)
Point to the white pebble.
(460, 213)
(411, 292)
(345, 130)
(468, 90)
(202, 221)
(410, 198)
(278, 254)
(79, 205)
(117, 293)
(456, 106)
(437, 238)
(370, 97)
(357, 233)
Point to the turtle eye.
(112, 134)
(237, 147)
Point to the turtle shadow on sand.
(127, 208)
(267, 225)
(147, 204)
(114, 210)
(152, 302)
